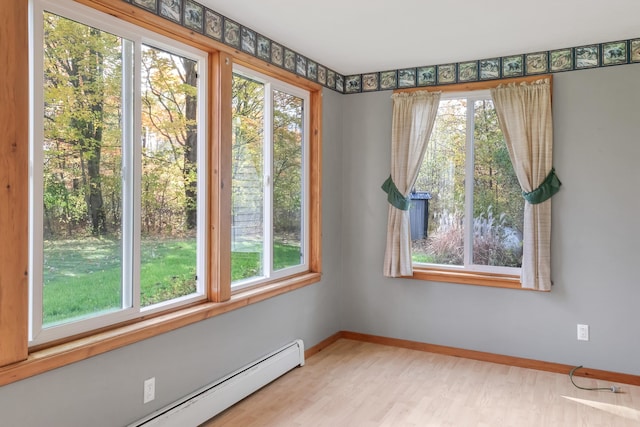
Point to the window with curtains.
(472, 232)
(467, 212)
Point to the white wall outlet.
(583, 332)
(149, 390)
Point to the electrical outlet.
(583, 332)
(149, 390)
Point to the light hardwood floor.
(353, 383)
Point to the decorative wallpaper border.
(202, 20)
(198, 18)
(529, 64)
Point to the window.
(117, 191)
(156, 253)
(467, 212)
(270, 169)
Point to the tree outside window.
(476, 208)
(96, 180)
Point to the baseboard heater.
(203, 404)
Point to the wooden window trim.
(471, 86)
(439, 274)
(17, 360)
(50, 357)
(435, 274)
(314, 190)
(14, 179)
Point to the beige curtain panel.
(524, 114)
(413, 118)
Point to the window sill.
(467, 278)
(44, 359)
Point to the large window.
(467, 211)
(120, 189)
(269, 173)
(117, 188)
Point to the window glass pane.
(287, 180)
(247, 204)
(82, 155)
(169, 176)
(441, 239)
(497, 202)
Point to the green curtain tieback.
(549, 187)
(394, 196)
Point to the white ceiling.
(358, 36)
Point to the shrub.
(493, 242)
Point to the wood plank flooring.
(353, 383)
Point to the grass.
(79, 278)
(422, 258)
(247, 262)
(167, 270)
(83, 277)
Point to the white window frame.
(271, 84)
(131, 171)
(468, 266)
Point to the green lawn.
(84, 277)
(423, 258)
(246, 262)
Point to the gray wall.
(595, 235)
(106, 390)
